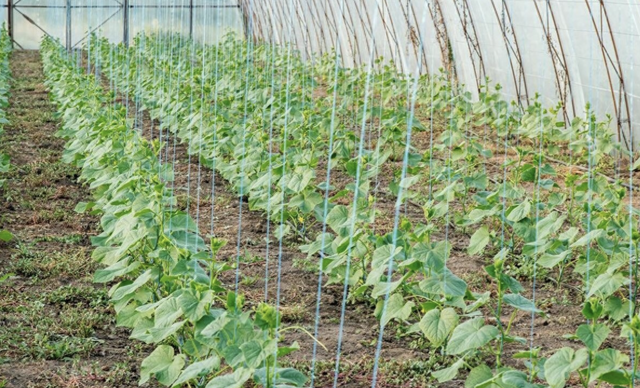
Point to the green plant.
(505, 192)
(168, 291)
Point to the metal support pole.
(191, 19)
(68, 34)
(125, 32)
(10, 19)
(68, 30)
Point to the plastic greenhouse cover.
(570, 51)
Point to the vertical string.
(398, 205)
(325, 206)
(248, 64)
(355, 194)
(284, 180)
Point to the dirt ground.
(56, 326)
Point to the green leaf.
(253, 353)
(593, 336)
(479, 241)
(194, 307)
(607, 283)
(448, 374)
(437, 325)
(196, 369)
(520, 212)
(169, 375)
(520, 302)
(619, 378)
(306, 202)
(549, 261)
(124, 290)
(338, 217)
(517, 379)
(288, 376)
(478, 376)
(160, 359)
(396, 308)
(472, 334)
(120, 268)
(559, 367)
(167, 312)
(587, 238)
(233, 380)
(266, 317)
(616, 308)
(383, 254)
(607, 362)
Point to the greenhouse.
(319, 193)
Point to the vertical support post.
(68, 34)
(125, 23)
(10, 19)
(191, 19)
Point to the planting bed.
(252, 219)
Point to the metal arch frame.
(355, 48)
(357, 26)
(473, 43)
(341, 14)
(416, 37)
(442, 36)
(617, 69)
(519, 80)
(559, 61)
(390, 30)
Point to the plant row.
(5, 78)
(249, 112)
(165, 278)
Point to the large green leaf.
(159, 360)
(194, 305)
(472, 334)
(196, 369)
(587, 238)
(449, 373)
(565, 361)
(126, 289)
(518, 379)
(338, 217)
(607, 283)
(520, 302)
(607, 361)
(233, 380)
(480, 376)
(437, 324)
(396, 308)
(593, 335)
(520, 212)
(479, 241)
(306, 202)
(548, 260)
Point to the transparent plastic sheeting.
(568, 51)
(35, 18)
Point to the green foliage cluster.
(5, 84)
(269, 140)
(166, 285)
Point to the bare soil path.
(56, 326)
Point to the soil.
(56, 326)
(246, 232)
(38, 201)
